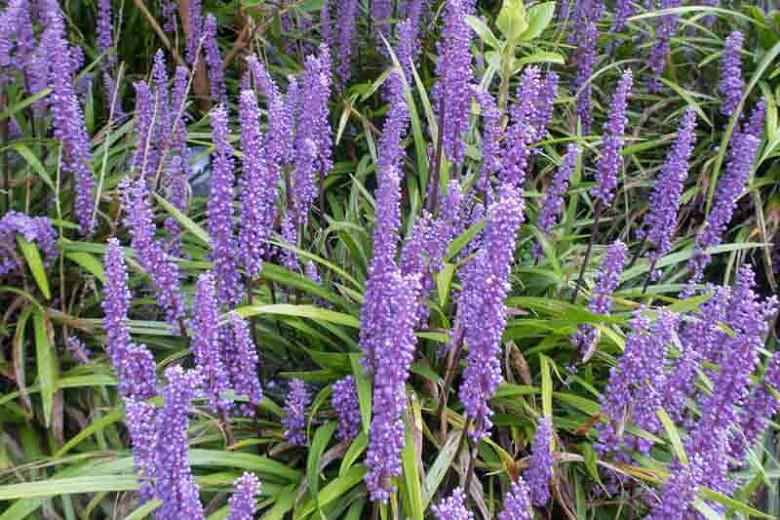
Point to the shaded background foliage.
(65, 450)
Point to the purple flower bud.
(517, 503)
(243, 503)
(661, 219)
(214, 60)
(141, 419)
(552, 202)
(194, 30)
(294, 421)
(345, 402)
(151, 255)
(485, 284)
(77, 349)
(37, 230)
(453, 507)
(540, 472)
(452, 92)
(731, 83)
(175, 486)
(611, 161)
(205, 345)
(257, 189)
(242, 363)
(68, 119)
(220, 212)
(666, 26)
(608, 280)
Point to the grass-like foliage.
(389, 259)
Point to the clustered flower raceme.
(35, 230)
(453, 507)
(553, 199)
(731, 83)
(294, 421)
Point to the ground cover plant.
(389, 259)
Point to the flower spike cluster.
(294, 421)
(345, 402)
(241, 362)
(552, 202)
(731, 83)
(37, 230)
(517, 503)
(538, 476)
(243, 503)
(453, 507)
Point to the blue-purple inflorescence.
(174, 483)
(485, 283)
(453, 507)
(452, 92)
(539, 474)
(194, 30)
(585, 56)
(213, 59)
(660, 222)
(145, 159)
(611, 160)
(345, 402)
(220, 212)
(243, 502)
(133, 364)
(552, 201)
(491, 148)
(517, 503)
(666, 26)
(36, 230)
(607, 281)
(294, 421)
(150, 253)
(206, 344)
(67, 117)
(77, 349)
(105, 31)
(346, 23)
(678, 492)
(141, 422)
(242, 363)
(731, 83)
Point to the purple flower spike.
(345, 402)
(491, 133)
(68, 119)
(220, 212)
(140, 419)
(608, 280)
(133, 364)
(755, 125)
(585, 56)
(151, 255)
(517, 503)
(624, 9)
(552, 202)
(453, 507)
(665, 30)
(453, 70)
(242, 363)
(759, 408)
(213, 57)
(485, 285)
(678, 492)
(105, 31)
(294, 421)
(243, 504)
(661, 220)
(205, 344)
(523, 129)
(731, 83)
(77, 349)
(347, 18)
(38, 230)
(540, 473)
(611, 161)
(145, 157)
(194, 30)
(175, 486)
(169, 9)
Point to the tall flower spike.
(145, 157)
(523, 129)
(151, 255)
(256, 205)
(68, 119)
(175, 486)
(243, 503)
(540, 472)
(242, 363)
(295, 405)
(485, 286)
(162, 105)
(169, 9)
(661, 219)
(140, 419)
(214, 60)
(755, 124)
(552, 202)
(105, 31)
(345, 402)
(542, 116)
(133, 364)
(453, 70)
(678, 492)
(220, 212)
(205, 344)
(731, 83)
(491, 133)
(517, 503)
(194, 30)
(608, 280)
(347, 19)
(666, 26)
(739, 163)
(586, 56)
(611, 161)
(624, 9)
(453, 507)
